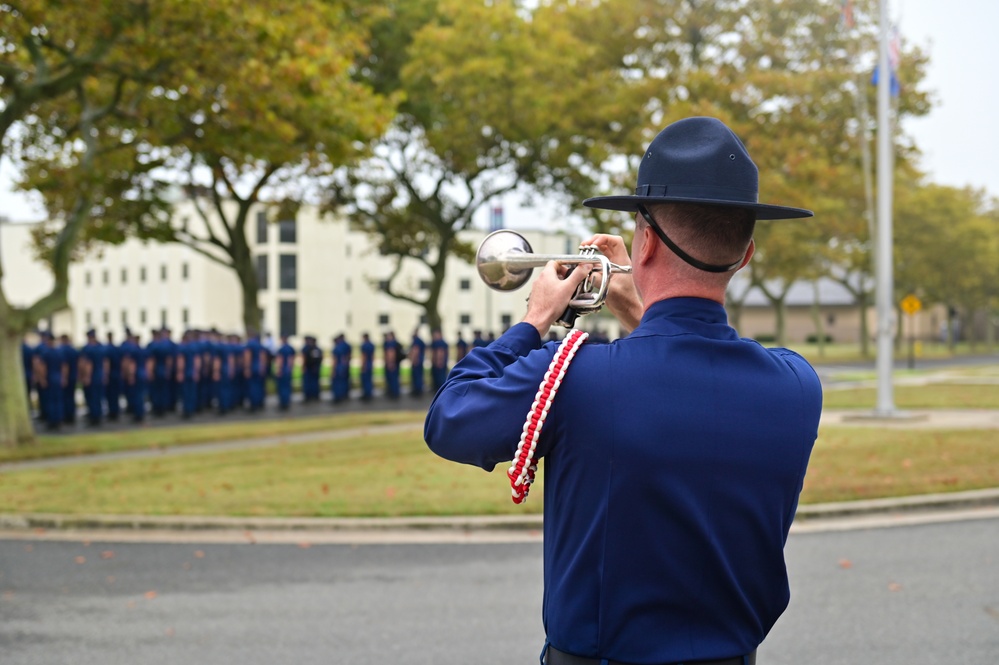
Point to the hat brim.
(631, 203)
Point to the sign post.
(911, 306)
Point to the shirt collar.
(700, 310)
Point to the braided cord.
(523, 469)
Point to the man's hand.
(551, 293)
(622, 297)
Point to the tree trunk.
(865, 332)
(820, 330)
(246, 271)
(780, 314)
(252, 316)
(15, 417)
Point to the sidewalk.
(914, 418)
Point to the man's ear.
(650, 243)
(749, 254)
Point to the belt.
(555, 657)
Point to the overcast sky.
(959, 138)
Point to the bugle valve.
(505, 262)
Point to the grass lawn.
(376, 475)
(164, 437)
(933, 396)
(395, 475)
(864, 463)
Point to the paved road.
(912, 595)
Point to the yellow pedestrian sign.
(911, 304)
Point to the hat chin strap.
(687, 258)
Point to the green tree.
(70, 54)
(254, 120)
(497, 97)
(787, 76)
(946, 250)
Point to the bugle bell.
(505, 262)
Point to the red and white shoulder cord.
(522, 470)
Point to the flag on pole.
(894, 55)
(496, 218)
(846, 13)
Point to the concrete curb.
(906, 504)
(929, 503)
(310, 524)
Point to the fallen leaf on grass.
(80, 559)
(845, 563)
(149, 595)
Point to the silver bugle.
(505, 262)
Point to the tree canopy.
(263, 102)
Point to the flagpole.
(884, 278)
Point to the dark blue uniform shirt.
(673, 460)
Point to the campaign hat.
(697, 160)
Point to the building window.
(184, 317)
(124, 275)
(465, 319)
(86, 278)
(105, 277)
(142, 274)
(87, 318)
(423, 319)
(142, 317)
(163, 273)
(288, 315)
(262, 227)
(383, 319)
(347, 250)
(104, 317)
(184, 271)
(347, 285)
(287, 231)
(262, 271)
(506, 321)
(383, 285)
(124, 318)
(288, 272)
(425, 284)
(163, 318)
(465, 285)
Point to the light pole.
(885, 280)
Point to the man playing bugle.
(674, 456)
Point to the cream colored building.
(320, 277)
(317, 276)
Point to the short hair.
(708, 232)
